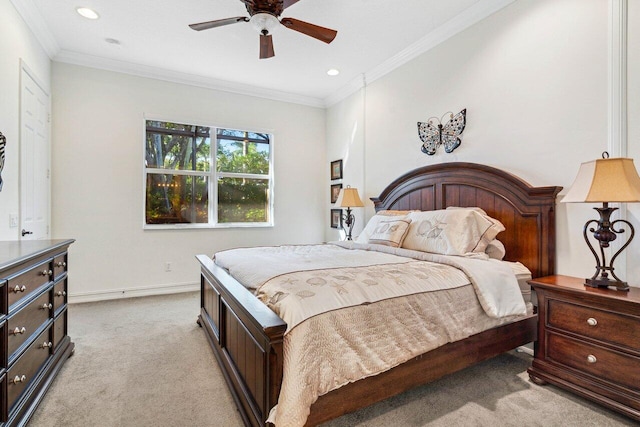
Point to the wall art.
(3, 143)
(336, 169)
(433, 133)
(336, 218)
(335, 192)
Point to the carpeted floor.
(144, 362)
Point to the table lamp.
(349, 198)
(605, 181)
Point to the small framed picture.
(336, 218)
(336, 169)
(335, 192)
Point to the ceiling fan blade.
(218, 23)
(321, 33)
(266, 46)
(287, 3)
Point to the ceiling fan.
(264, 15)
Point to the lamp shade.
(605, 180)
(349, 198)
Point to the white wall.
(345, 140)
(533, 78)
(16, 43)
(97, 159)
(633, 115)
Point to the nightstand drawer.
(594, 360)
(602, 325)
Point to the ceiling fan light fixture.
(85, 12)
(264, 21)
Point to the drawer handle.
(46, 306)
(591, 321)
(19, 331)
(46, 344)
(46, 272)
(61, 294)
(591, 358)
(19, 288)
(61, 264)
(19, 379)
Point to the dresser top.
(576, 285)
(18, 251)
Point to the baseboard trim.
(173, 288)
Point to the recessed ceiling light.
(333, 72)
(88, 13)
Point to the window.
(187, 186)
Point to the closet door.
(34, 158)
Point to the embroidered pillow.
(390, 232)
(451, 231)
(373, 223)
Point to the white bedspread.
(494, 281)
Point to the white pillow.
(495, 249)
(451, 231)
(390, 231)
(373, 223)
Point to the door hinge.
(48, 117)
(47, 230)
(48, 173)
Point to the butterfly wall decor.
(3, 142)
(433, 135)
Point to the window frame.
(213, 175)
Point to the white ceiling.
(374, 36)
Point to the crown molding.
(29, 13)
(476, 13)
(459, 23)
(139, 70)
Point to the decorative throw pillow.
(495, 249)
(390, 232)
(451, 231)
(373, 223)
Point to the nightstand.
(589, 342)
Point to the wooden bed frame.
(247, 337)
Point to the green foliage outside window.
(177, 191)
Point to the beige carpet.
(145, 362)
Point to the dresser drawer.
(26, 367)
(25, 322)
(59, 295)
(27, 282)
(59, 265)
(590, 322)
(598, 361)
(59, 329)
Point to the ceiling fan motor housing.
(273, 7)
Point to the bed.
(247, 337)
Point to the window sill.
(204, 226)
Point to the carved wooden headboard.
(527, 212)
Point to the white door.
(34, 159)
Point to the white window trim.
(213, 175)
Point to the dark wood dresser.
(589, 342)
(33, 323)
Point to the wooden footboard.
(246, 338)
